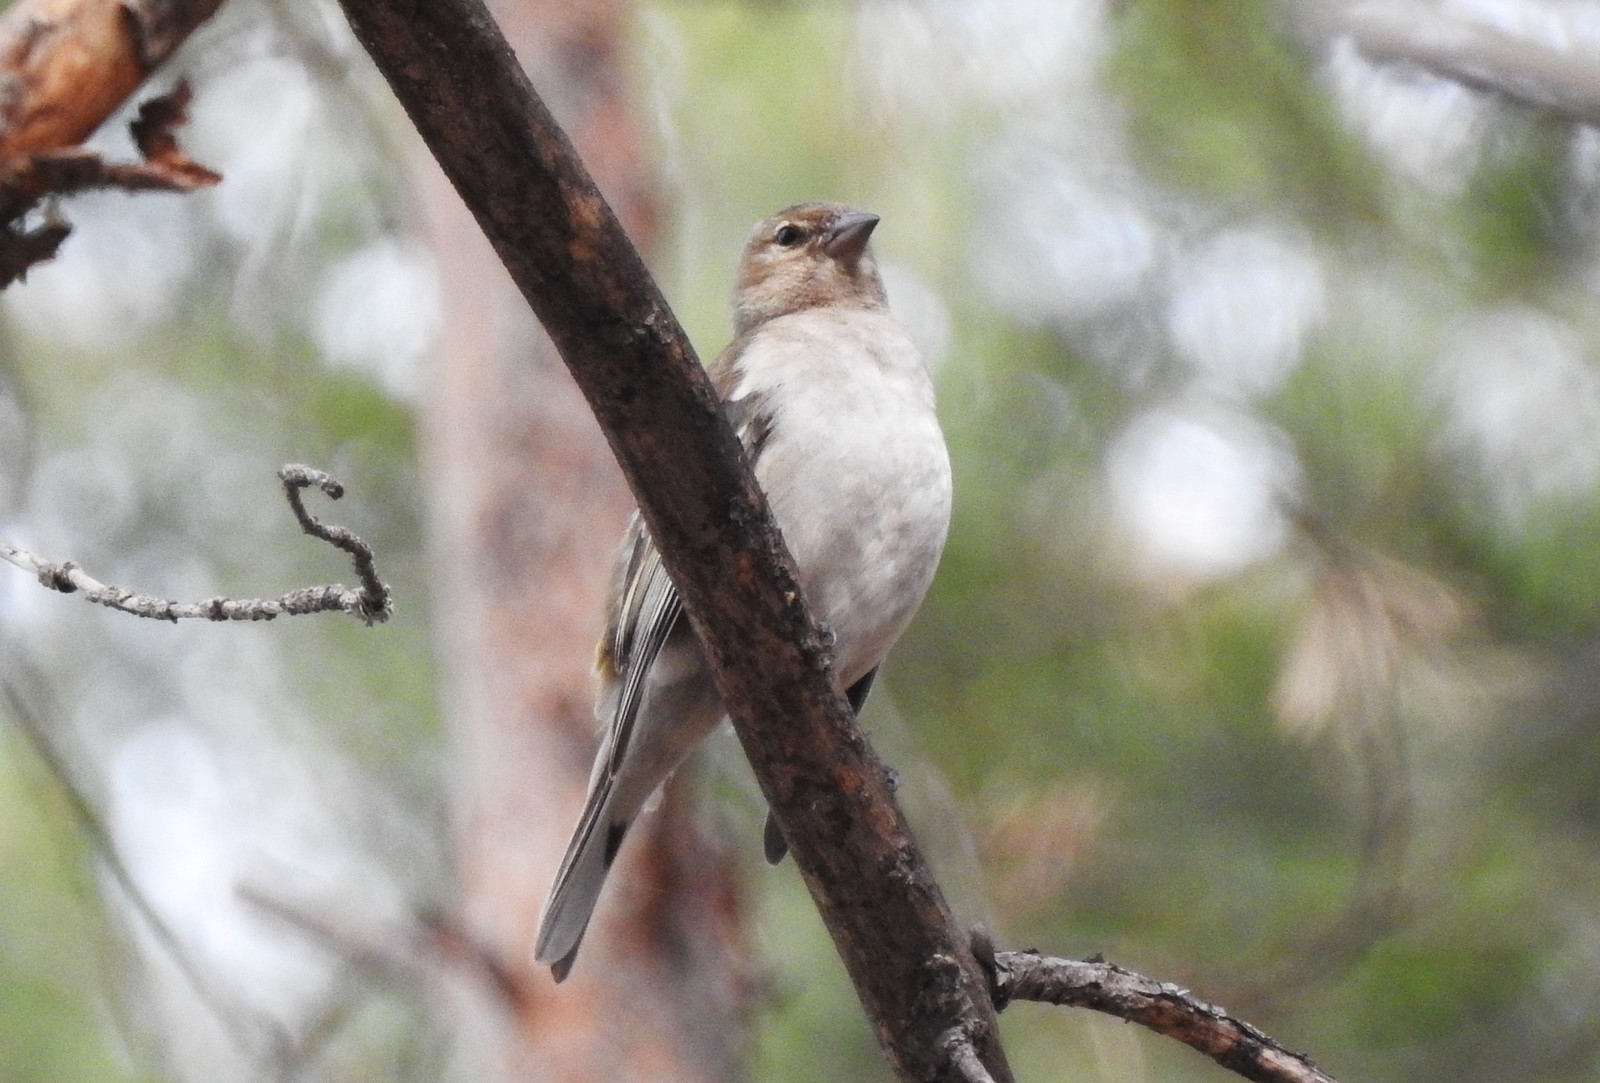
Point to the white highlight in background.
(1242, 305)
(379, 311)
(1200, 491)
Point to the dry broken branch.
(67, 65)
(27, 180)
(371, 602)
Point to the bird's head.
(806, 256)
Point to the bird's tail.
(578, 883)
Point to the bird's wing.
(647, 607)
(643, 611)
(647, 610)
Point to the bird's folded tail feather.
(577, 885)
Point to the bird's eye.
(789, 235)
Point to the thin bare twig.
(409, 954)
(371, 603)
(22, 246)
(1163, 1007)
(373, 600)
(27, 179)
(396, 953)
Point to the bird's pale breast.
(865, 499)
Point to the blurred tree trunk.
(526, 505)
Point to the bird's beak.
(847, 238)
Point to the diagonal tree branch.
(912, 968)
(371, 602)
(1561, 79)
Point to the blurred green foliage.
(51, 935)
(1220, 104)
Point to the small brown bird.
(835, 407)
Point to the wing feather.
(647, 607)
(650, 612)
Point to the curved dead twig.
(372, 602)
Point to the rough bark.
(1161, 1006)
(923, 991)
(527, 502)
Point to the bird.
(834, 405)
